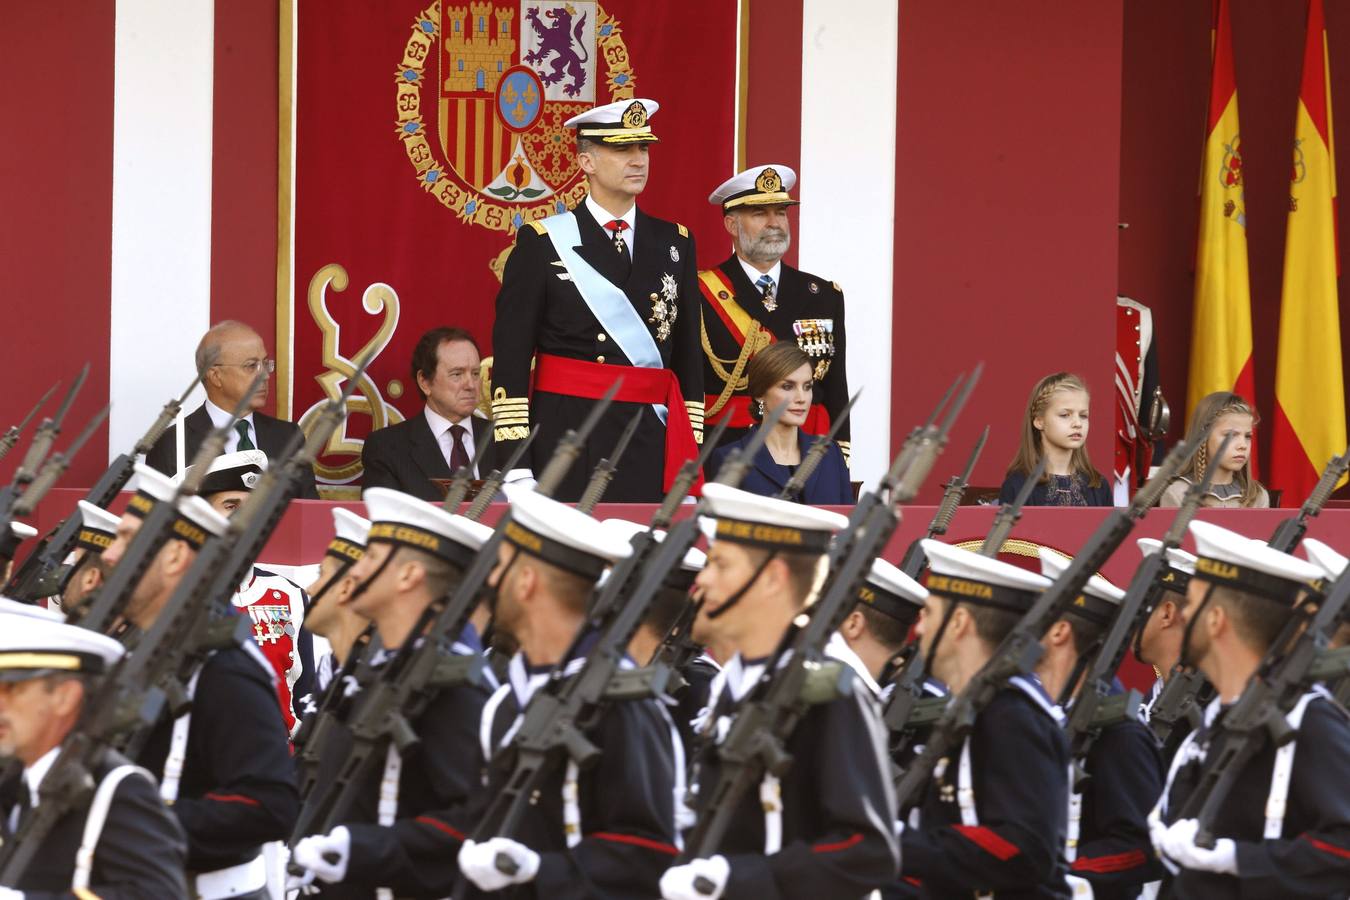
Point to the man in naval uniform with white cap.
(330, 614)
(608, 830)
(889, 603)
(396, 836)
(225, 764)
(826, 828)
(597, 293)
(1157, 643)
(1108, 849)
(275, 604)
(1284, 828)
(754, 299)
(992, 820)
(48, 671)
(84, 572)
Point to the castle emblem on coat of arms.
(481, 95)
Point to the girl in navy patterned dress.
(1056, 426)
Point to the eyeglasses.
(252, 365)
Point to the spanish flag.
(1221, 336)
(1309, 425)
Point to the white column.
(847, 217)
(161, 211)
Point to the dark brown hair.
(770, 366)
(1207, 413)
(429, 345)
(1030, 449)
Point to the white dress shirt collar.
(754, 274)
(220, 418)
(34, 774)
(440, 430)
(604, 216)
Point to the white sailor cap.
(196, 520)
(10, 607)
(890, 591)
(1180, 564)
(22, 530)
(349, 535)
(622, 122)
(968, 577)
(238, 471)
(32, 646)
(1328, 560)
(399, 518)
(758, 186)
(694, 558)
(561, 535)
(770, 523)
(98, 527)
(1100, 598)
(1253, 567)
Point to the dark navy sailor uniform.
(809, 310)
(828, 485)
(415, 856)
(1114, 853)
(1309, 852)
(140, 852)
(540, 311)
(623, 836)
(1009, 840)
(826, 829)
(238, 787)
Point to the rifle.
(487, 492)
(195, 620)
(952, 492)
(1018, 653)
(459, 481)
(802, 675)
(819, 447)
(1009, 513)
(394, 695)
(43, 439)
(105, 606)
(47, 476)
(1096, 707)
(1288, 669)
(42, 573)
(1290, 532)
(11, 437)
(908, 712)
(1159, 421)
(562, 710)
(604, 471)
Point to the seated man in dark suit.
(437, 441)
(228, 359)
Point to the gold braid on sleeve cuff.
(848, 450)
(510, 418)
(694, 408)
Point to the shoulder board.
(684, 232)
(538, 227)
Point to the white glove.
(1179, 845)
(483, 863)
(522, 477)
(678, 883)
(326, 855)
(304, 884)
(10, 894)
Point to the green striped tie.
(245, 442)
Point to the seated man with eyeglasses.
(228, 359)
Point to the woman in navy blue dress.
(781, 373)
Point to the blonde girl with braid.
(1056, 427)
(1232, 486)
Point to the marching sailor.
(597, 293)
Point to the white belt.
(232, 882)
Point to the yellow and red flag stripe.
(1309, 421)
(1221, 337)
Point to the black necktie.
(459, 456)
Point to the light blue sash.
(610, 306)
